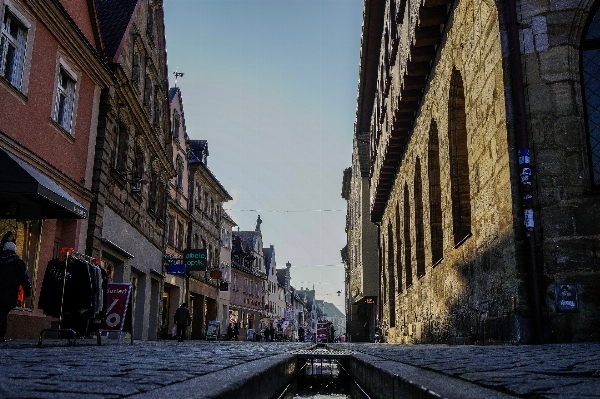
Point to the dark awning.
(18, 177)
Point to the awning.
(18, 177)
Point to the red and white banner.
(116, 299)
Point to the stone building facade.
(206, 198)
(483, 168)
(132, 156)
(362, 263)
(178, 219)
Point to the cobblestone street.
(207, 369)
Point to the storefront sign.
(178, 269)
(195, 259)
(116, 299)
(370, 300)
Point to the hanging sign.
(178, 269)
(195, 259)
(117, 297)
(216, 274)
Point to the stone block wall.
(477, 288)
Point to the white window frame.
(67, 121)
(20, 80)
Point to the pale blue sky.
(271, 84)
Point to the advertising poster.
(116, 299)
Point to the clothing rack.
(70, 332)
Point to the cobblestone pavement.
(118, 371)
(527, 371)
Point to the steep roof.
(330, 310)
(281, 276)
(248, 238)
(115, 17)
(172, 93)
(226, 216)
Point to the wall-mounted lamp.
(339, 293)
(136, 183)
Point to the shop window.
(419, 229)
(407, 241)
(27, 236)
(590, 61)
(12, 48)
(459, 161)
(391, 282)
(64, 100)
(435, 195)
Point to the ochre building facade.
(482, 177)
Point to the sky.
(271, 84)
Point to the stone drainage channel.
(324, 372)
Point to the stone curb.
(393, 380)
(258, 379)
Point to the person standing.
(236, 331)
(182, 320)
(13, 273)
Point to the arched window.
(391, 279)
(176, 123)
(419, 229)
(590, 60)
(459, 161)
(435, 196)
(407, 242)
(398, 249)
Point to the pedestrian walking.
(13, 273)
(236, 331)
(229, 332)
(182, 319)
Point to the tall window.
(147, 91)
(157, 105)
(179, 172)
(122, 147)
(435, 196)
(180, 235)
(398, 249)
(171, 235)
(407, 242)
(419, 229)
(150, 20)
(154, 192)
(459, 160)
(176, 122)
(590, 57)
(12, 49)
(65, 99)
(135, 67)
(138, 167)
(391, 281)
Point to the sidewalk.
(527, 371)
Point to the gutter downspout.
(516, 72)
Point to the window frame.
(28, 24)
(71, 96)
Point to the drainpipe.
(526, 188)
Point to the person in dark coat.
(182, 319)
(236, 331)
(13, 273)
